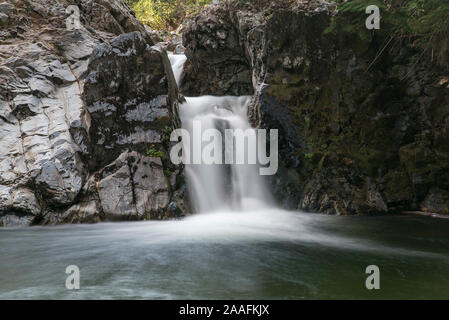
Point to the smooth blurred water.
(237, 187)
(268, 254)
(177, 62)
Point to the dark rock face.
(355, 137)
(126, 93)
(78, 108)
(214, 51)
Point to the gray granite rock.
(51, 149)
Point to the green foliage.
(166, 133)
(308, 156)
(265, 6)
(154, 153)
(312, 160)
(166, 14)
(168, 173)
(424, 24)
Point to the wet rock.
(351, 141)
(150, 184)
(116, 193)
(83, 212)
(20, 200)
(134, 187)
(436, 201)
(11, 220)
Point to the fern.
(425, 23)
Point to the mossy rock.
(397, 188)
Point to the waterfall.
(177, 62)
(220, 187)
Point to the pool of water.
(267, 254)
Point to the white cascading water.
(177, 62)
(220, 187)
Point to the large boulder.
(134, 186)
(127, 95)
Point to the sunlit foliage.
(422, 23)
(166, 14)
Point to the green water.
(256, 255)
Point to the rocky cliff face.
(360, 133)
(216, 63)
(79, 110)
(85, 114)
